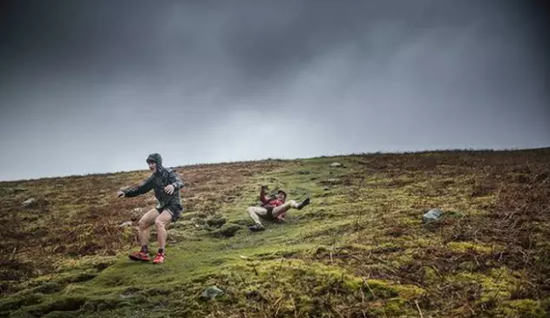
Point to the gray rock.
(30, 203)
(126, 224)
(336, 165)
(211, 292)
(432, 215)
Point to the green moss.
(17, 301)
(463, 247)
(386, 289)
(496, 284)
(524, 308)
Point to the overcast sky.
(95, 86)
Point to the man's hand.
(120, 194)
(264, 188)
(169, 189)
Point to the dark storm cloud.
(96, 85)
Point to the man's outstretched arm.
(143, 188)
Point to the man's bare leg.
(285, 207)
(289, 205)
(161, 222)
(144, 223)
(143, 233)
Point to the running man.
(167, 185)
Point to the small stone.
(336, 165)
(326, 188)
(29, 203)
(211, 292)
(432, 215)
(126, 224)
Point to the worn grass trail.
(359, 250)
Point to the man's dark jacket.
(161, 178)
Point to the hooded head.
(155, 161)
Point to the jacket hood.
(156, 158)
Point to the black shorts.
(175, 211)
(269, 209)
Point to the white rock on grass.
(126, 224)
(30, 202)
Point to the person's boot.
(256, 228)
(303, 204)
(139, 256)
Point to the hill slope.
(359, 250)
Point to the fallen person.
(272, 209)
(166, 184)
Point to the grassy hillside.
(359, 250)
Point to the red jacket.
(272, 202)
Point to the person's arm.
(176, 183)
(143, 188)
(175, 180)
(263, 198)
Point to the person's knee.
(250, 210)
(143, 224)
(160, 223)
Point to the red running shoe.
(139, 256)
(159, 259)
